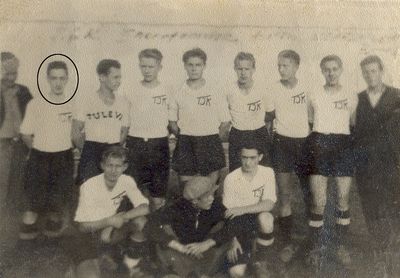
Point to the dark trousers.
(49, 180)
(378, 183)
(149, 164)
(13, 155)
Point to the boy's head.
(57, 76)
(288, 64)
(372, 70)
(331, 67)
(200, 192)
(245, 66)
(114, 163)
(150, 63)
(9, 69)
(250, 156)
(109, 72)
(194, 61)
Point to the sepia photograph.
(200, 139)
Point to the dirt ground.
(44, 258)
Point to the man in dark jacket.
(190, 235)
(13, 100)
(377, 141)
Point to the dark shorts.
(89, 163)
(149, 164)
(92, 247)
(49, 180)
(195, 155)
(238, 138)
(245, 227)
(288, 154)
(330, 155)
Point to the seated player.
(331, 112)
(287, 106)
(247, 105)
(100, 120)
(111, 209)
(49, 177)
(198, 114)
(187, 233)
(249, 196)
(147, 140)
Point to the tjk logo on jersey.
(259, 192)
(160, 100)
(204, 100)
(118, 198)
(299, 99)
(254, 106)
(341, 104)
(65, 117)
(104, 115)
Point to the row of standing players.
(347, 134)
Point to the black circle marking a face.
(77, 78)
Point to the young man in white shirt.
(49, 177)
(287, 106)
(100, 120)
(148, 133)
(111, 209)
(198, 116)
(249, 195)
(246, 100)
(330, 146)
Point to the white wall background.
(88, 31)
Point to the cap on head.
(9, 62)
(197, 187)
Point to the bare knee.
(237, 271)
(266, 222)
(139, 223)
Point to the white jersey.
(290, 106)
(239, 192)
(148, 111)
(331, 111)
(96, 201)
(199, 112)
(247, 111)
(49, 124)
(103, 122)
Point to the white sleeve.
(133, 192)
(270, 186)
(28, 124)
(86, 206)
(223, 109)
(310, 107)
(228, 196)
(79, 110)
(125, 107)
(173, 107)
(269, 100)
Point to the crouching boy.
(249, 196)
(190, 236)
(112, 214)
